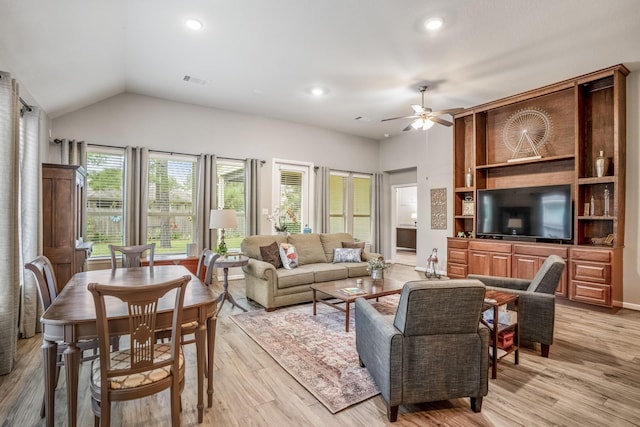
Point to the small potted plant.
(376, 267)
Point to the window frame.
(304, 217)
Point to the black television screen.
(541, 213)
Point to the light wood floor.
(592, 378)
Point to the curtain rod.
(27, 106)
(57, 141)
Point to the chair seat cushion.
(120, 360)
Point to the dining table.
(71, 318)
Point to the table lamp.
(221, 219)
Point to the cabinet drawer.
(456, 271)
(591, 272)
(589, 255)
(458, 243)
(490, 246)
(541, 251)
(457, 256)
(592, 293)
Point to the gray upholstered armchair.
(536, 302)
(434, 349)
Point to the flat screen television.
(542, 213)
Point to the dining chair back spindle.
(147, 366)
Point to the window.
(292, 193)
(171, 211)
(230, 191)
(105, 195)
(350, 204)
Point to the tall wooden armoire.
(63, 220)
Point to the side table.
(493, 300)
(225, 263)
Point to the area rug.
(316, 350)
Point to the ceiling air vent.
(194, 80)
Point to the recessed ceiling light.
(193, 24)
(433, 24)
(318, 91)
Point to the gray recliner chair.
(536, 301)
(435, 348)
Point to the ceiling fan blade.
(396, 118)
(441, 121)
(409, 127)
(418, 109)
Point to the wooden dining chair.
(131, 256)
(206, 270)
(206, 273)
(147, 366)
(42, 269)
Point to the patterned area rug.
(316, 350)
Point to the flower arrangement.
(278, 220)
(376, 264)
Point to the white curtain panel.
(29, 217)
(206, 200)
(9, 222)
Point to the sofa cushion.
(309, 248)
(327, 272)
(355, 269)
(250, 245)
(359, 245)
(288, 256)
(331, 241)
(302, 275)
(271, 254)
(347, 255)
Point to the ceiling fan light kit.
(425, 117)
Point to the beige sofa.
(272, 288)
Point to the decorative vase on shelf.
(468, 178)
(602, 164)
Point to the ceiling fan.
(424, 117)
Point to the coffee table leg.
(314, 302)
(346, 316)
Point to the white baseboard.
(631, 306)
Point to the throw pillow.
(288, 256)
(359, 245)
(271, 254)
(347, 255)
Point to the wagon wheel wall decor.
(526, 132)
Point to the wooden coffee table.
(369, 288)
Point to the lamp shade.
(223, 218)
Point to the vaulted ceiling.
(263, 57)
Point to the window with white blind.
(292, 189)
(171, 213)
(350, 204)
(230, 192)
(105, 195)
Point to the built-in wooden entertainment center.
(584, 117)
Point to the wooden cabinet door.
(479, 263)
(500, 265)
